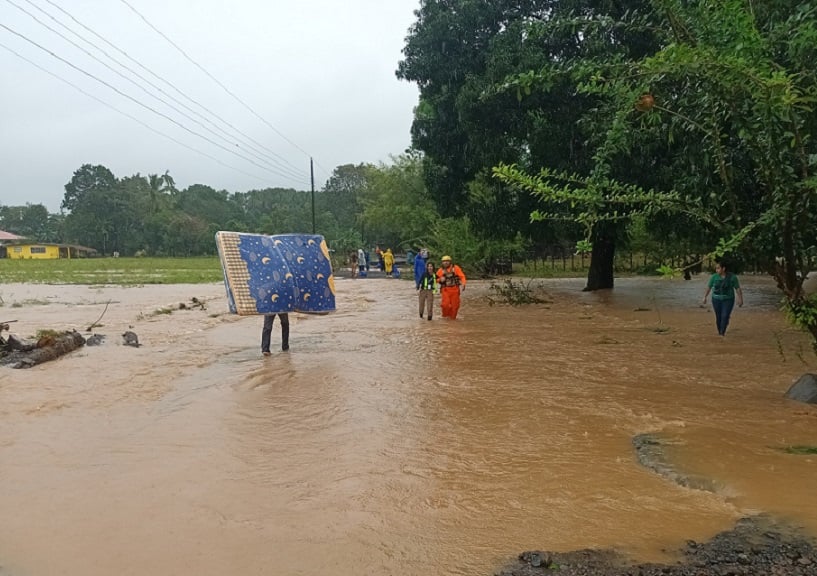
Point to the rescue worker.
(451, 280)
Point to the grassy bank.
(127, 271)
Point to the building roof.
(9, 236)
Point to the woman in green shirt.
(724, 287)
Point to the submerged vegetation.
(516, 293)
(801, 449)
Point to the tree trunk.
(49, 348)
(600, 275)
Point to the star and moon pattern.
(282, 273)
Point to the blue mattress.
(274, 274)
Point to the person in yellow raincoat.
(388, 261)
(451, 280)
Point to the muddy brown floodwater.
(385, 444)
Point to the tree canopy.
(728, 104)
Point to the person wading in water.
(266, 332)
(426, 288)
(451, 279)
(724, 287)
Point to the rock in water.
(95, 340)
(130, 339)
(804, 390)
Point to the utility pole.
(312, 178)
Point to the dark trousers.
(266, 333)
(723, 310)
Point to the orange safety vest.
(451, 277)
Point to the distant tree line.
(360, 205)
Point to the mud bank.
(755, 546)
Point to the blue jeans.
(723, 310)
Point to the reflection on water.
(384, 444)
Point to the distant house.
(46, 251)
(17, 247)
(5, 238)
(9, 237)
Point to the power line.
(283, 161)
(213, 78)
(269, 168)
(324, 170)
(132, 99)
(134, 118)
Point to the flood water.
(386, 444)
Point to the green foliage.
(486, 99)
(800, 449)
(455, 237)
(31, 221)
(667, 271)
(584, 246)
(87, 179)
(589, 200)
(342, 196)
(802, 313)
(396, 204)
(148, 216)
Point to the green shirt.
(723, 287)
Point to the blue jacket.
(419, 269)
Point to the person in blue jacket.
(420, 266)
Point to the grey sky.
(321, 72)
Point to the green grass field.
(198, 270)
(122, 271)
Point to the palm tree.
(159, 185)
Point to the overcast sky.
(318, 73)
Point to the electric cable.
(269, 168)
(134, 100)
(170, 84)
(134, 118)
(213, 78)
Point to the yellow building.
(45, 251)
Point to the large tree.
(94, 204)
(342, 193)
(88, 178)
(471, 117)
(450, 44)
(397, 208)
